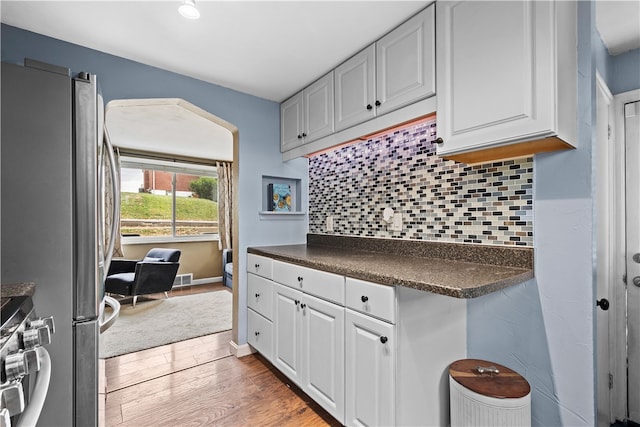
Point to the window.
(162, 199)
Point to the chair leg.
(135, 299)
(166, 295)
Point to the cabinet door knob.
(369, 107)
(302, 306)
(378, 103)
(257, 266)
(383, 340)
(439, 140)
(296, 302)
(257, 295)
(364, 298)
(257, 333)
(304, 135)
(299, 136)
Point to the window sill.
(141, 240)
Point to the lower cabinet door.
(370, 371)
(260, 333)
(323, 354)
(287, 324)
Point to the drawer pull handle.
(257, 266)
(383, 339)
(299, 278)
(257, 333)
(364, 298)
(257, 295)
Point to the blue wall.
(544, 328)
(258, 121)
(625, 72)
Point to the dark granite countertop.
(456, 270)
(17, 289)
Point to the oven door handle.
(36, 401)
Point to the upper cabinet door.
(355, 94)
(499, 67)
(318, 109)
(405, 62)
(291, 122)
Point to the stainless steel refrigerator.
(51, 221)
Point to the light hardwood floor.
(198, 383)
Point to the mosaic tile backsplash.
(440, 200)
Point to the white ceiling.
(268, 49)
(618, 23)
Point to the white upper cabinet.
(405, 63)
(291, 122)
(356, 89)
(307, 115)
(506, 78)
(395, 71)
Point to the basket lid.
(489, 379)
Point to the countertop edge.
(520, 275)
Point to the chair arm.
(122, 266)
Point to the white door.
(287, 323)
(370, 375)
(323, 354)
(605, 272)
(632, 143)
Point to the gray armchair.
(155, 273)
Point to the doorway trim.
(619, 340)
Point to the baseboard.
(206, 280)
(240, 350)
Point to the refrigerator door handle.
(113, 170)
(109, 321)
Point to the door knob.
(603, 304)
(636, 281)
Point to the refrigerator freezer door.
(87, 285)
(85, 375)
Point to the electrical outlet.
(329, 224)
(396, 225)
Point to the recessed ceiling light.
(188, 9)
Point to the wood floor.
(198, 383)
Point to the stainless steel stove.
(25, 367)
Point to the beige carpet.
(157, 322)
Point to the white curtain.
(224, 204)
(109, 197)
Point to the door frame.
(604, 164)
(618, 303)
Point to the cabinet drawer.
(324, 285)
(262, 266)
(372, 299)
(260, 295)
(260, 333)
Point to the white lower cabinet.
(287, 324)
(309, 346)
(370, 371)
(260, 314)
(380, 361)
(260, 333)
(323, 354)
